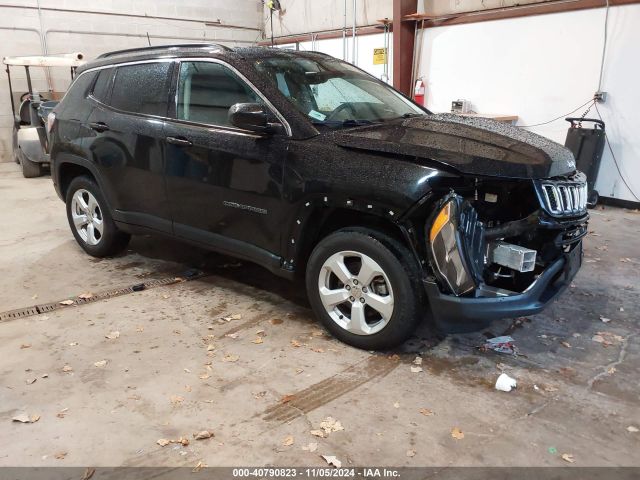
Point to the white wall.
(306, 16)
(94, 34)
(544, 66)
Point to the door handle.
(180, 141)
(99, 126)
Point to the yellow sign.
(379, 56)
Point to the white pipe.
(353, 36)
(61, 60)
(344, 33)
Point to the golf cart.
(30, 132)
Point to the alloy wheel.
(87, 216)
(356, 292)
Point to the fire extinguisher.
(419, 91)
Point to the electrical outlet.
(600, 97)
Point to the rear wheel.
(29, 169)
(363, 287)
(90, 219)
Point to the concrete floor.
(177, 368)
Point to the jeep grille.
(564, 198)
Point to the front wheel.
(90, 219)
(363, 286)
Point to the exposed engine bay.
(492, 237)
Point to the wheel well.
(324, 222)
(69, 171)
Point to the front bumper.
(463, 314)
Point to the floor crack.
(606, 368)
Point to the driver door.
(224, 184)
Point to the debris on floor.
(505, 383)
(504, 344)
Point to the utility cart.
(32, 115)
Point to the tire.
(100, 237)
(393, 279)
(29, 169)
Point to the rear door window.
(102, 87)
(142, 88)
(207, 90)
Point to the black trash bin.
(587, 145)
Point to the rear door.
(127, 140)
(224, 184)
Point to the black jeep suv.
(314, 169)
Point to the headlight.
(448, 247)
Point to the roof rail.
(163, 47)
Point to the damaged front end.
(503, 248)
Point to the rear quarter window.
(77, 92)
(102, 87)
(142, 88)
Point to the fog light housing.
(449, 250)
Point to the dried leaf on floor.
(332, 460)
(295, 343)
(73, 344)
(235, 316)
(113, 335)
(100, 363)
(232, 335)
(230, 358)
(24, 418)
(88, 473)
(25, 345)
(258, 341)
(31, 381)
(317, 349)
(176, 400)
(261, 333)
(140, 329)
(67, 369)
(67, 302)
(60, 455)
(317, 333)
(411, 453)
(565, 344)
(426, 412)
(417, 361)
(318, 433)
(396, 405)
(611, 370)
(568, 457)
(311, 447)
(259, 394)
(203, 435)
(211, 347)
(86, 295)
(199, 466)
(62, 413)
(275, 321)
(288, 441)
(204, 376)
(416, 369)
(187, 388)
(163, 442)
(287, 398)
(632, 429)
(457, 433)
(330, 425)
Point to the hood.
(469, 145)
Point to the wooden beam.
(324, 35)
(403, 44)
(527, 10)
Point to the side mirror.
(252, 117)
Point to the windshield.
(334, 93)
